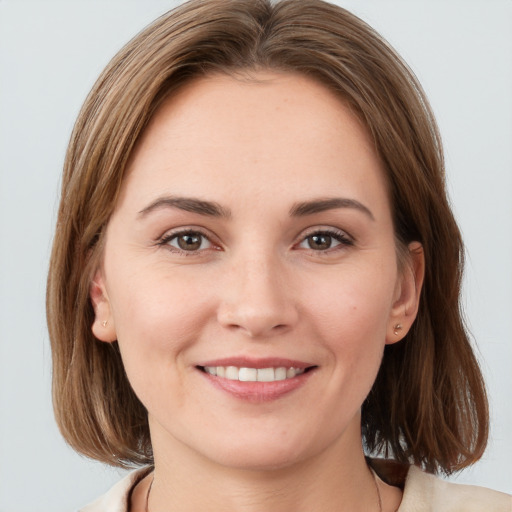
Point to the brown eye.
(322, 241)
(189, 241)
(319, 242)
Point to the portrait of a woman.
(254, 287)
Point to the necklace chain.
(147, 495)
(376, 488)
(374, 481)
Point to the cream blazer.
(422, 493)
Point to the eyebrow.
(322, 205)
(188, 204)
(213, 209)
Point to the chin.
(259, 461)
(259, 454)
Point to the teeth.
(253, 374)
(280, 373)
(266, 374)
(232, 373)
(248, 374)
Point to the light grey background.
(50, 54)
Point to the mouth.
(257, 380)
(250, 374)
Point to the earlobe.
(407, 300)
(103, 326)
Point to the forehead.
(249, 106)
(273, 129)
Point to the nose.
(258, 298)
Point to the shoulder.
(117, 498)
(427, 493)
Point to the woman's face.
(250, 272)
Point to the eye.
(187, 241)
(325, 240)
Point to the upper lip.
(265, 362)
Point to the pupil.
(189, 242)
(321, 242)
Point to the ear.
(407, 294)
(103, 326)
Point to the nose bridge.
(257, 297)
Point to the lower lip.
(257, 392)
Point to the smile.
(244, 374)
(257, 380)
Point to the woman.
(256, 273)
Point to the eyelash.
(168, 237)
(338, 235)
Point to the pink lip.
(257, 392)
(249, 362)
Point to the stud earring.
(104, 323)
(398, 327)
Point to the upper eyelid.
(171, 233)
(324, 229)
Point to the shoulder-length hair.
(428, 405)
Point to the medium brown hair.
(428, 404)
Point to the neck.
(336, 480)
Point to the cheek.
(350, 314)
(151, 305)
(353, 304)
(157, 317)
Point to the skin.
(256, 286)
